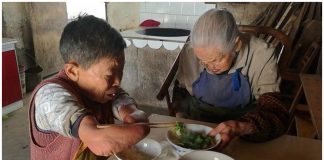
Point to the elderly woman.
(237, 82)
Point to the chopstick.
(162, 125)
(151, 125)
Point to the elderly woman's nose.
(214, 66)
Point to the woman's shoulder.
(258, 44)
(259, 47)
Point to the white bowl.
(146, 149)
(193, 128)
(205, 155)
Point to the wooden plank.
(274, 15)
(318, 12)
(304, 127)
(301, 107)
(259, 19)
(291, 9)
(311, 11)
(268, 14)
(284, 16)
(312, 85)
(287, 27)
(297, 23)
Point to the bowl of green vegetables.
(186, 138)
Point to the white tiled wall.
(188, 8)
(169, 20)
(173, 14)
(175, 8)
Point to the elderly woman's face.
(213, 60)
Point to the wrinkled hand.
(228, 130)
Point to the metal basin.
(164, 32)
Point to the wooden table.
(283, 148)
(312, 86)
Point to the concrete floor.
(15, 134)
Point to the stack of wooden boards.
(302, 22)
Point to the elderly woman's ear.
(238, 44)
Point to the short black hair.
(87, 39)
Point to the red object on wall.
(150, 23)
(11, 91)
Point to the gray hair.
(215, 28)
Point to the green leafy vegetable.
(179, 128)
(192, 140)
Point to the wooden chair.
(306, 49)
(299, 119)
(284, 48)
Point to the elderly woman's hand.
(229, 130)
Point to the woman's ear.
(238, 44)
(72, 70)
